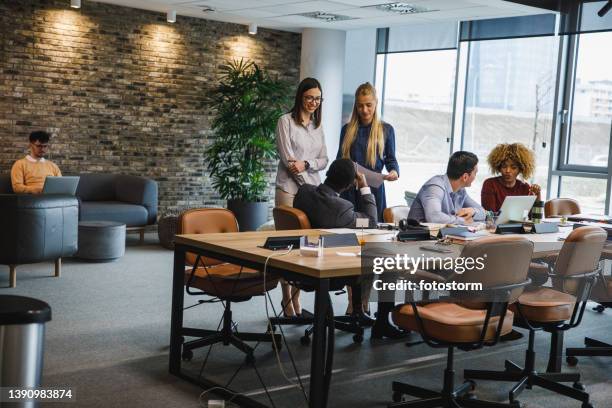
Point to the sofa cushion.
(96, 187)
(131, 215)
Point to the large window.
(418, 103)
(510, 98)
(589, 139)
(552, 93)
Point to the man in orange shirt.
(28, 174)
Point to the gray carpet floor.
(108, 341)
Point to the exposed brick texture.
(123, 90)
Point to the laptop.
(515, 208)
(61, 185)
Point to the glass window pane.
(590, 193)
(510, 98)
(418, 103)
(592, 110)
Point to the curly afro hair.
(518, 153)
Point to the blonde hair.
(376, 140)
(516, 152)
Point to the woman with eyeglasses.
(301, 148)
(370, 142)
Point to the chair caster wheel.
(571, 360)
(249, 359)
(358, 338)
(469, 396)
(397, 397)
(516, 404)
(599, 308)
(305, 340)
(187, 355)
(578, 386)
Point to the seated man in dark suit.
(323, 204)
(326, 209)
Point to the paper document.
(366, 231)
(373, 178)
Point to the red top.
(494, 192)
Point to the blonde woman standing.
(370, 142)
(367, 140)
(302, 151)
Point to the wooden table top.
(246, 246)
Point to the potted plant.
(247, 104)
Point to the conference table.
(321, 273)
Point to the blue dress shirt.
(436, 202)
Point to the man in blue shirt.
(443, 198)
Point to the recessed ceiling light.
(400, 8)
(252, 28)
(327, 17)
(75, 3)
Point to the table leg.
(176, 323)
(318, 386)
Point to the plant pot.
(250, 215)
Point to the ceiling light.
(171, 16)
(400, 8)
(75, 3)
(252, 28)
(327, 17)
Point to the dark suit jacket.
(326, 209)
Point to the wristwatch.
(306, 165)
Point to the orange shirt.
(28, 174)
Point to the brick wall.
(122, 89)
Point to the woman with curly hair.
(508, 160)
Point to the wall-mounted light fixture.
(252, 28)
(75, 4)
(171, 16)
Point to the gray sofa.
(35, 228)
(131, 200)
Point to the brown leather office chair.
(554, 310)
(224, 281)
(450, 325)
(393, 215)
(561, 206)
(289, 218)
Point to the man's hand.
(467, 212)
(361, 180)
(392, 176)
(536, 190)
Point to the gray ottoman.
(101, 240)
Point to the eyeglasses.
(311, 99)
(41, 145)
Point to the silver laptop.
(61, 185)
(515, 208)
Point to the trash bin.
(22, 337)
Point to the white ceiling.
(280, 14)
